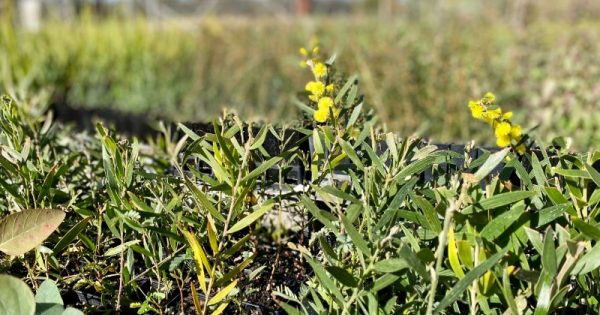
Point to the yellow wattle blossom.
(319, 70)
(503, 141)
(303, 52)
(329, 88)
(316, 88)
(476, 109)
(515, 131)
(507, 133)
(502, 129)
(321, 115)
(489, 98)
(325, 103)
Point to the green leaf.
(587, 229)
(355, 236)
(490, 164)
(593, 174)
(15, 297)
(119, 248)
(589, 262)
(502, 222)
(261, 169)
(319, 214)
(249, 219)
(545, 296)
(325, 279)
(456, 292)
(500, 200)
(343, 276)
(349, 150)
(289, 309)
(70, 236)
(48, 300)
(549, 253)
(222, 294)
(24, 230)
(390, 265)
(202, 200)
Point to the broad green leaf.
(48, 300)
(252, 217)
(390, 265)
(456, 292)
(289, 309)
(15, 297)
(502, 222)
(24, 230)
(222, 294)
(343, 276)
(547, 215)
(384, 281)
(490, 164)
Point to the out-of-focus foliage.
(416, 74)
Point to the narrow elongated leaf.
(222, 294)
(490, 164)
(199, 256)
(252, 217)
(458, 289)
(549, 253)
(261, 169)
(325, 279)
(545, 295)
(587, 229)
(355, 236)
(219, 310)
(500, 200)
(70, 236)
(119, 248)
(349, 150)
(593, 174)
(453, 254)
(23, 231)
(203, 200)
(319, 214)
(589, 262)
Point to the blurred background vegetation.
(419, 61)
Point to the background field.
(417, 72)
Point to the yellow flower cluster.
(321, 93)
(507, 133)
